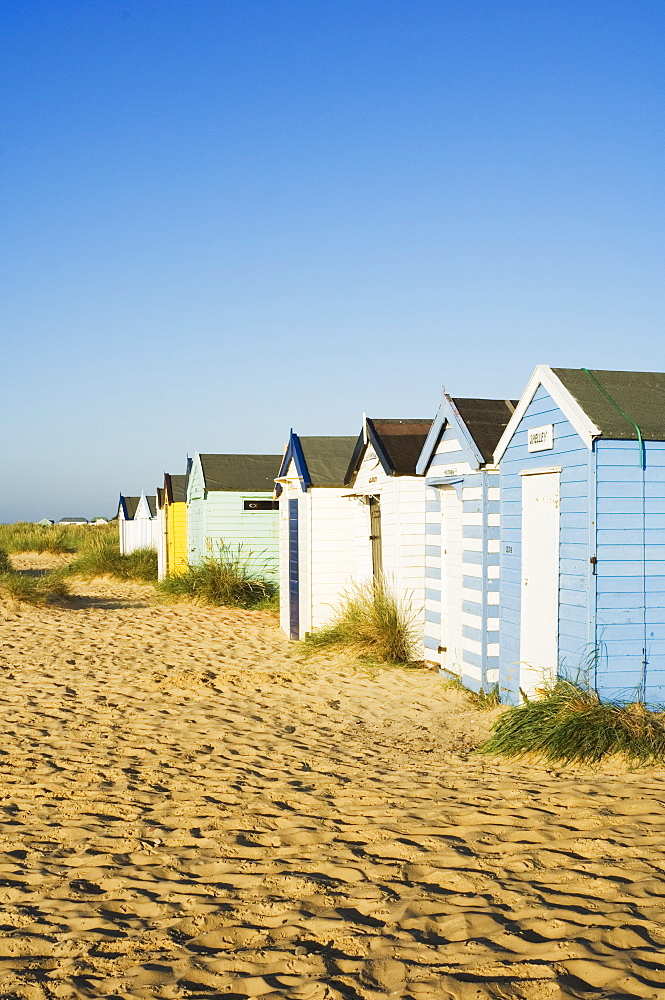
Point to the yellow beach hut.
(175, 523)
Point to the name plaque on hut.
(541, 438)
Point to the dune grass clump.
(372, 623)
(571, 725)
(51, 588)
(102, 557)
(229, 579)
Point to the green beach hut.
(230, 504)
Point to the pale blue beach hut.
(582, 474)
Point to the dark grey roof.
(641, 395)
(73, 520)
(175, 488)
(486, 420)
(398, 444)
(160, 497)
(152, 504)
(327, 458)
(131, 503)
(402, 441)
(240, 473)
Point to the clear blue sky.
(223, 218)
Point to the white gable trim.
(142, 509)
(447, 410)
(544, 376)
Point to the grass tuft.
(570, 725)
(370, 622)
(51, 588)
(229, 579)
(101, 557)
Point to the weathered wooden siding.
(576, 584)
(630, 580)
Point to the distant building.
(73, 520)
(45, 522)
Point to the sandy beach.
(190, 809)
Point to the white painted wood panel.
(539, 618)
(451, 580)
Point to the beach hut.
(316, 531)
(73, 520)
(389, 503)
(582, 465)
(137, 523)
(173, 508)
(161, 534)
(231, 505)
(462, 527)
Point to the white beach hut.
(137, 523)
(389, 507)
(462, 551)
(316, 531)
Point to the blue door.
(294, 588)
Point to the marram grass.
(24, 536)
(571, 725)
(370, 622)
(101, 557)
(229, 579)
(51, 588)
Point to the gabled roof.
(397, 443)
(598, 403)
(319, 461)
(480, 421)
(128, 506)
(73, 520)
(160, 497)
(641, 396)
(175, 488)
(240, 473)
(486, 420)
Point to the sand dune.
(192, 811)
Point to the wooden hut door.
(294, 572)
(451, 581)
(539, 617)
(375, 537)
